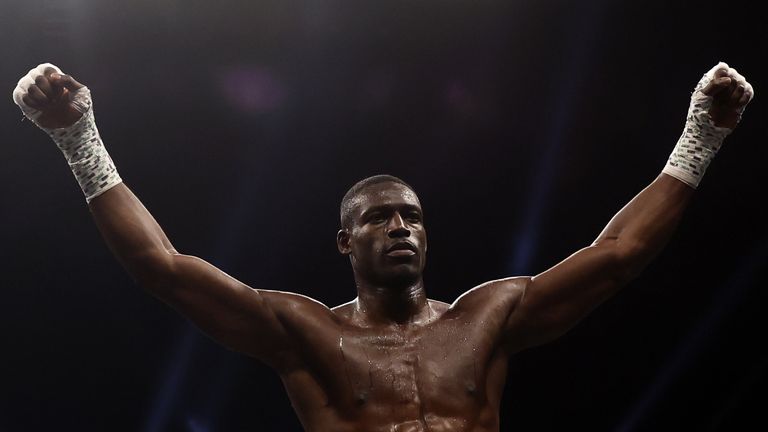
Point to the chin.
(404, 277)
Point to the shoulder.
(288, 306)
(439, 306)
(344, 311)
(500, 292)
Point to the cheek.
(377, 248)
(367, 244)
(422, 236)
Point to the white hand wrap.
(81, 144)
(701, 139)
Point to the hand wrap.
(81, 144)
(701, 139)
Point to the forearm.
(63, 108)
(131, 233)
(642, 228)
(556, 299)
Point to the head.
(382, 231)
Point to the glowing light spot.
(252, 89)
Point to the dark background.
(524, 126)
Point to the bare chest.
(437, 371)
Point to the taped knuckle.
(18, 94)
(35, 77)
(49, 70)
(25, 82)
(744, 99)
(43, 68)
(717, 68)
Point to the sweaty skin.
(391, 359)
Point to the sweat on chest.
(423, 367)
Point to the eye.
(413, 217)
(376, 218)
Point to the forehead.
(384, 194)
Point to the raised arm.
(232, 313)
(239, 317)
(549, 304)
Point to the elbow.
(152, 271)
(629, 257)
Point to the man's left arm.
(552, 302)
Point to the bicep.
(232, 313)
(557, 299)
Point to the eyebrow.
(390, 206)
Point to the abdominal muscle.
(391, 402)
(333, 422)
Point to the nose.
(397, 227)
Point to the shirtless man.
(391, 359)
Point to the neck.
(392, 304)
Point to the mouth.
(401, 249)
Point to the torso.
(446, 374)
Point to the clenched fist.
(730, 94)
(716, 106)
(50, 98)
(63, 108)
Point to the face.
(386, 240)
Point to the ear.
(342, 242)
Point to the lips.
(401, 249)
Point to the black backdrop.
(524, 126)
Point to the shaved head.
(352, 197)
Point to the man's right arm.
(239, 317)
(229, 311)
